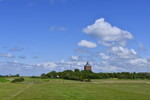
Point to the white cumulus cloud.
(88, 44)
(107, 33)
(123, 52)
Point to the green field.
(58, 89)
(3, 80)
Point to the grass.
(58, 89)
(3, 80)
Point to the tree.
(17, 75)
(76, 70)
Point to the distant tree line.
(17, 75)
(87, 75)
(35, 77)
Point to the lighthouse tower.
(87, 66)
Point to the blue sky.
(38, 36)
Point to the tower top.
(87, 64)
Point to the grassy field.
(3, 80)
(58, 89)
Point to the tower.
(87, 66)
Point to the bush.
(21, 79)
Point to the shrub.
(21, 79)
(87, 80)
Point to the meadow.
(59, 89)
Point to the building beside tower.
(87, 67)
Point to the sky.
(39, 36)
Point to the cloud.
(8, 55)
(87, 44)
(35, 57)
(16, 49)
(103, 56)
(12, 67)
(123, 64)
(15, 67)
(57, 1)
(122, 52)
(37, 69)
(116, 56)
(55, 28)
(124, 59)
(22, 57)
(107, 34)
(48, 65)
(74, 58)
(81, 50)
(13, 61)
(141, 47)
(69, 65)
(107, 65)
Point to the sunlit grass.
(3, 80)
(59, 89)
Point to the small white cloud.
(14, 61)
(81, 50)
(103, 56)
(55, 28)
(141, 47)
(16, 49)
(8, 55)
(62, 61)
(49, 65)
(22, 57)
(35, 57)
(133, 52)
(139, 61)
(74, 58)
(88, 44)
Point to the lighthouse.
(87, 66)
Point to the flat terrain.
(58, 89)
